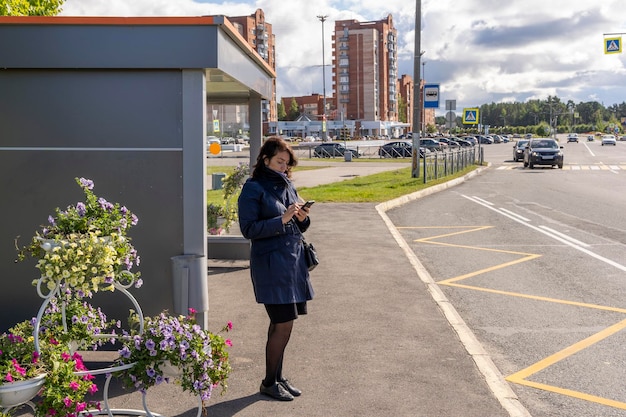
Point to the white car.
(608, 140)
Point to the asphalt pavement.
(380, 337)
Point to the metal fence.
(433, 165)
(442, 164)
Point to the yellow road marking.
(520, 377)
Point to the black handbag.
(310, 255)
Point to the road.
(533, 260)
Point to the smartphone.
(308, 203)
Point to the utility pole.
(417, 103)
(324, 134)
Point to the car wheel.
(560, 166)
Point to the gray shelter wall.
(121, 102)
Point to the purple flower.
(51, 220)
(150, 344)
(105, 205)
(85, 183)
(81, 209)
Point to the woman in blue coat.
(273, 217)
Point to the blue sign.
(431, 96)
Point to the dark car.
(464, 143)
(452, 144)
(543, 151)
(432, 144)
(485, 140)
(518, 150)
(470, 139)
(398, 150)
(332, 149)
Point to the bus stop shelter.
(123, 102)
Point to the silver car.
(608, 140)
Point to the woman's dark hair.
(270, 148)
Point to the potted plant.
(47, 372)
(215, 219)
(232, 188)
(22, 372)
(75, 323)
(85, 246)
(67, 383)
(168, 342)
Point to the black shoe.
(292, 390)
(276, 391)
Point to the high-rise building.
(259, 35)
(365, 70)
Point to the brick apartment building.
(259, 35)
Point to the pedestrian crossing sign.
(470, 116)
(613, 45)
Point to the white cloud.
(479, 51)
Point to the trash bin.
(217, 180)
(190, 287)
(347, 155)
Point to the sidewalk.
(375, 342)
(380, 339)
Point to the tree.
(280, 111)
(294, 111)
(30, 7)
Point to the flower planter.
(16, 393)
(230, 247)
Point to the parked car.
(464, 143)
(622, 138)
(572, 137)
(398, 149)
(432, 144)
(590, 138)
(543, 151)
(608, 140)
(518, 149)
(332, 149)
(485, 140)
(470, 139)
(449, 142)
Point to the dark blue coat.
(277, 265)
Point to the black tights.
(277, 338)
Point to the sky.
(477, 51)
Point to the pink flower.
(74, 385)
(228, 342)
(80, 407)
(67, 401)
(192, 311)
(93, 389)
(65, 356)
(230, 325)
(9, 377)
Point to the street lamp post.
(423, 121)
(322, 19)
(417, 113)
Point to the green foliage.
(294, 111)
(179, 342)
(280, 110)
(85, 246)
(30, 7)
(374, 188)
